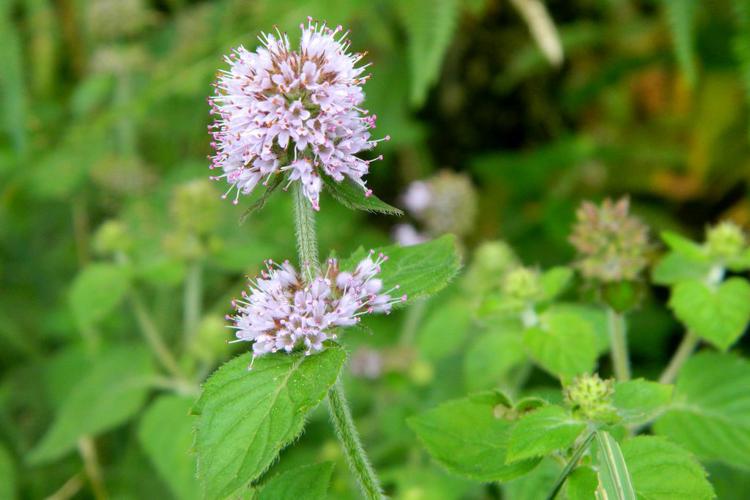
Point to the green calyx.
(725, 241)
(590, 397)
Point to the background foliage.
(105, 234)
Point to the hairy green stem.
(349, 438)
(619, 345)
(307, 246)
(307, 240)
(689, 342)
(192, 302)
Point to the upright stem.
(192, 303)
(87, 449)
(154, 338)
(689, 342)
(307, 246)
(307, 239)
(619, 344)
(349, 438)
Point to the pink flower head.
(283, 313)
(296, 111)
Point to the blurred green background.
(109, 228)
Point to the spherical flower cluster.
(522, 284)
(726, 240)
(292, 111)
(612, 245)
(445, 203)
(591, 397)
(282, 312)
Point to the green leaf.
(718, 315)
(664, 471)
(554, 281)
(308, 482)
(542, 431)
(596, 317)
(638, 401)
(534, 485)
(676, 267)
(353, 196)
(430, 25)
(110, 394)
(418, 270)
(582, 483)
(248, 416)
(7, 475)
(166, 434)
(97, 290)
(681, 20)
(710, 414)
(466, 437)
(563, 344)
(491, 357)
(444, 330)
(614, 477)
(684, 246)
(12, 81)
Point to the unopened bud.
(522, 284)
(195, 206)
(112, 237)
(591, 397)
(725, 240)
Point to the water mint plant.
(563, 314)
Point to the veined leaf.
(637, 401)
(614, 477)
(7, 475)
(97, 290)
(710, 415)
(113, 391)
(353, 196)
(663, 471)
(468, 438)
(308, 482)
(418, 270)
(543, 431)
(248, 416)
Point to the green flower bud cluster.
(522, 284)
(591, 397)
(725, 241)
(491, 260)
(195, 209)
(210, 340)
(111, 238)
(612, 245)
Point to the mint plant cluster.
(251, 332)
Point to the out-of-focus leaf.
(710, 415)
(308, 481)
(637, 401)
(247, 416)
(491, 356)
(717, 314)
(535, 485)
(97, 290)
(444, 331)
(8, 475)
(111, 393)
(676, 267)
(166, 434)
(563, 344)
(681, 19)
(12, 85)
(467, 438)
(429, 25)
(582, 483)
